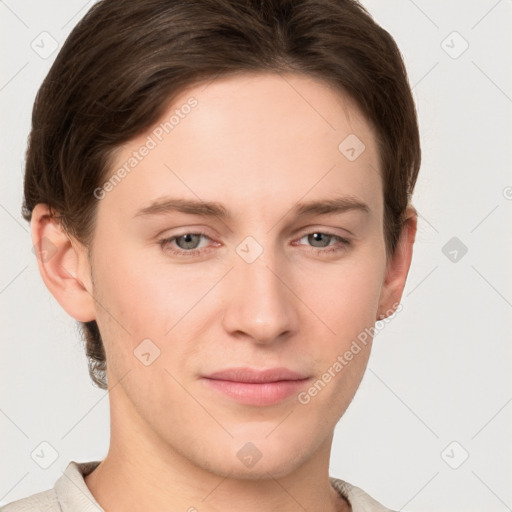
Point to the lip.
(252, 375)
(256, 387)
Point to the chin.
(278, 465)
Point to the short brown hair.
(126, 60)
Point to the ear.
(398, 266)
(63, 264)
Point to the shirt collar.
(72, 491)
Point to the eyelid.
(341, 233)
(185, 230)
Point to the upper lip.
(253, 375)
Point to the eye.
(187, 242)
(320, 241)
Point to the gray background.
(438, 386)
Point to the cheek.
(139, 291)
(346, 302)
(161, 302)
(345, 296)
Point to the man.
(224, 234)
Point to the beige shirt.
(71, 494)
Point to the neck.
(143, 472)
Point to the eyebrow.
(214, 209)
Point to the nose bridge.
(261, 305)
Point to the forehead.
(250, 139)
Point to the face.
(259, 279)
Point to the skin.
(258, 144)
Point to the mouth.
(256, 387)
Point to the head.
(255, 110)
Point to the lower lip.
(261, 394)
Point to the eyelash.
(345, 243)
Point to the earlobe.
(398, 266)
(63, 265)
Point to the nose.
(262, 306)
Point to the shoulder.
(359, 500)
(45, 501)
(69, 494)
